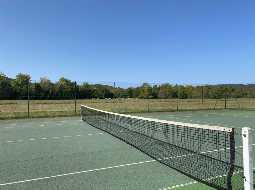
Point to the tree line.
(21, 87)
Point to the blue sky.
(130, 41)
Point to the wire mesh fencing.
(45, 99)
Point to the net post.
(247, 158)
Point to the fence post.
(178, 97)
(28, 100)
(75, 97)
(225, 106)
(202, 94)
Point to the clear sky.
(132, 41)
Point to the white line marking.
(8, 127)
(194, 182)
(11, 141)
(67, 136)
(45, 138)
(100, 133)
(75, 173)
(179, 185)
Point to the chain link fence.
(36, 99)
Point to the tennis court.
(67, 153)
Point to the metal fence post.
(225, 106)
(28, 100)
(202, 95)
(75, 97)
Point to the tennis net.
(202, 152)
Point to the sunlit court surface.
(68, 153)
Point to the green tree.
(46, 88)
(165, 91)
(145, 91)
(85, 91)
(6, 90)
(65, 88)
(20, 85)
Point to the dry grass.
(53, 108)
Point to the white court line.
(11, 141)
(22, 126)
(47, 138)
(75, 173)
(179, 185)
(189, 183)
(67, 136)
(8, 127)
(85, 171)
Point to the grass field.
(53, 108)
(66, 153)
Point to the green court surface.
(67, 153)
(225, 118)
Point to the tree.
(20, 85)
(46, 88)
(130, 92)
(6, 91)
(85, 91)
(145, 91)
(65, 88)
(182, 92)
(165, 91)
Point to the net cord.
(210, 127)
